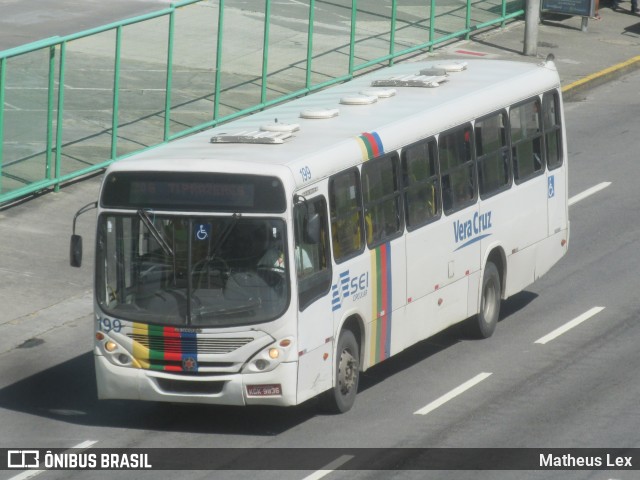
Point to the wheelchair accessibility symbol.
(551, 187)
(203, 230)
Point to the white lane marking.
(32, 473)
(452, 394)
(588, 192)
(327, 469)
(569, 325)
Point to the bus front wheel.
(484, 323)
(343, 395)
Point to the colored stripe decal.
(370, 145)
(168, 349)
(381, 303)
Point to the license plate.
(264, 390)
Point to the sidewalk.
(40, 292)
(610, 47)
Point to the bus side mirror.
(75, 251)
(312, 230)
(75, 247)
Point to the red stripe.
(170, 332)
(372, 141)
(469, 52)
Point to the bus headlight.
(112, 351)
(270, 357)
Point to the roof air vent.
(379, 92)
(358, 99)
(319, 113)
(452, 66)
(280, 127)
(438, 72)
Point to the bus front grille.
(202, 345)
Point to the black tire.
(342, 396)
(484, 323)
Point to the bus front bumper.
(276, 387)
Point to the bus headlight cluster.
(270, 357)
(112, 351)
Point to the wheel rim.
(489, 301)
(348, 372)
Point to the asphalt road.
(531, 386)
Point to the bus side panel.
(315, 347)
(351, 294)
(529, 227)
(557, 200)
(441, 259)
(550, 251)
(428, 248)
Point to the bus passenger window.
(311, 255)
(346, 215)
(420, 183)
(552, 129)
(493, 155)
(457, 169)
(526, 138)
(381, 199)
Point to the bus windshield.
(192, 271)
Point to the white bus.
(274, 258)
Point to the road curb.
(571, 91)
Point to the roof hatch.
(410, 80)
(252, 136)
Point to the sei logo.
(354, 287)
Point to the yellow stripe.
(601, 73)
(140, 352)
(363, 149)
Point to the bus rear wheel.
(342, 396)
(484, 323)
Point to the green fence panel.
(72, 105)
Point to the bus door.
(313, 272)
(556, 176)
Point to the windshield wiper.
(157, 235)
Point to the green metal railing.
(46, 141)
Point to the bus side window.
(311, 255)
(420, 183)
(457, 169)
(552, 129)
(345, 202)
(381, 193)
(493, 154)
(526, 138)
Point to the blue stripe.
(473, 240)
(378, 142)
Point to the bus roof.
(327, 145)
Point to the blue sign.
(202, 231)
(551, 187)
